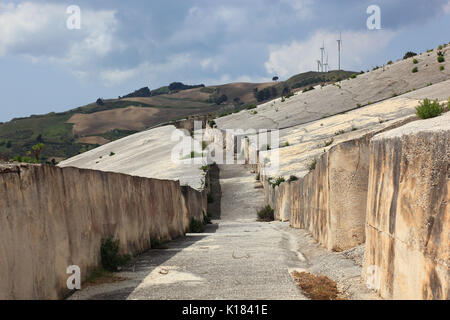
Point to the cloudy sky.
(124, 45)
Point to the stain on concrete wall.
(408, 216)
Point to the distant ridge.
(143, 92)
(77, 130)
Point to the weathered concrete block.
(408, 220)
(330, 201)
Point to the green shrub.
(196, 226)
(110, 257)
(207, 218)
(389, 62)
(328, 143)
(429, 109)
(156, 243)
(277, 182)
(291, 94)
(252, 106)
(266, 214)
(409, 54)
(353, 76)
(292, 178)
(415, 61)
(111, 154)
(312, 165)
(441, 68)
(414, 70)
(440, 59)
(204, 168)
(337, 133)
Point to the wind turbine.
(321, 55)
(326, 64)
(339, 50)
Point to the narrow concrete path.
(235, 258)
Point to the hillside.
(348, 200)
(354, 169)
(75, 131)
(358, 91)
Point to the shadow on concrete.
(214, 202)
(146, 262)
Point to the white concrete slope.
(307, 141)
(374, 86)
(145, 154)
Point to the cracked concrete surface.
(307, 141)
(374, 86)
(235, 258)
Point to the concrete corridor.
(235, 258)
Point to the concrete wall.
(330, 201)
(53, 217)
(279, 199)
(408, 215)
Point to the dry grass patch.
(316, 287)
(93, 140)
(131, 118)
(101, 276)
